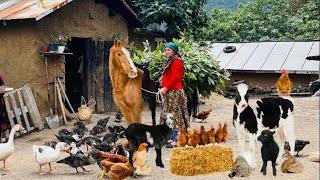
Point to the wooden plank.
(110, 105)
(24, 110)
(9, 112)
(32, 107)
(99, 74)
(17, 111)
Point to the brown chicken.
(140, 160)
(193, 137)
(219, 134)
(115, 158)
(112, 163)
(225, 133)
(284, 84)
(203, 115)
(203, 136)
(211, 136)
(182, 138)
(117, 171)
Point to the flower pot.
(53, 47)
(61, 49)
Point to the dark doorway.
(87, 73)
(74, 71)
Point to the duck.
(74, 149)
(78, 160)
(47, 155)
(7, 149)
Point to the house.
(26, 26)
(260, 63)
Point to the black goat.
(150, 85)
(156, 136)
(269, 150)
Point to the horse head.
(121, 59)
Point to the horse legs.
(125, 110)
(136, 113)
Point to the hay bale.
(190, 161)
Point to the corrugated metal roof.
(268, 56)
(30, 9)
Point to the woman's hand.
(164, 90)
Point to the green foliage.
(201, 69)
(179, 15)
(228, 4)
(263, 20)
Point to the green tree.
(179, 15)
(265, 20)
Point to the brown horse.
(126, 82)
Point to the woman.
(175, 99)
(4, 121)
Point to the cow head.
(242, 96)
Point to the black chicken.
(118, 117)
(299, 145)
(66, 138)
(103, 146)
(78, 160)
(79, 128)
(64, 132)
(103, 122)
(97, 129)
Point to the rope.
(159, 96)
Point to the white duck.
(7, 149)
(47, 155)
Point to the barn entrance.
(87, 73)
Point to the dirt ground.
(22, 165)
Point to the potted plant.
(61, 41)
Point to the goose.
(7, 149)
(46, 154)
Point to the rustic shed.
(260, 63)
(27, 25)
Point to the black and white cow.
(273, 113)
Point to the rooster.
(211, 136)
(203, 115)
(140, 160)
(284, 84)
(182, 138)
(193, 138)
(203, 136)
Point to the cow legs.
(289, 133)
(241, 139)
(252, 148)
(280, 141)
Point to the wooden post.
(61, 105)
(32, 107)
